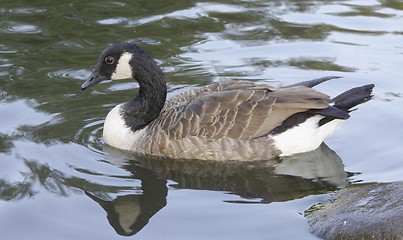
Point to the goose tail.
(353, 97)
(345, 103)
(316, 125)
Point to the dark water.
(58, 182)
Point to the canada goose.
(236, 120)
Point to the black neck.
(147, 104)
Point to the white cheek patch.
(123, 69)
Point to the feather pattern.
(237, 120)
(230, 120)
(239, 110)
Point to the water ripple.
(80, 74)
(196, 12)
(354, 16)
(90, 135)
(23, 10)
(19, 28)
(112, 21)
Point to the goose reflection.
(255, 182)
(128, 214)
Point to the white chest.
(117, 134)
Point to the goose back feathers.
(237, 120)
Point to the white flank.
(123, 69)
(306, 136)
(117, 134)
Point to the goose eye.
(109, 60)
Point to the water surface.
(58, 181)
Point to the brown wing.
(188, 96)
(240, 110)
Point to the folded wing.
(239, 110)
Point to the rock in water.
(368, 211)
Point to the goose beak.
(92, 80)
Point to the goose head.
(117, 62)
(127, 60)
